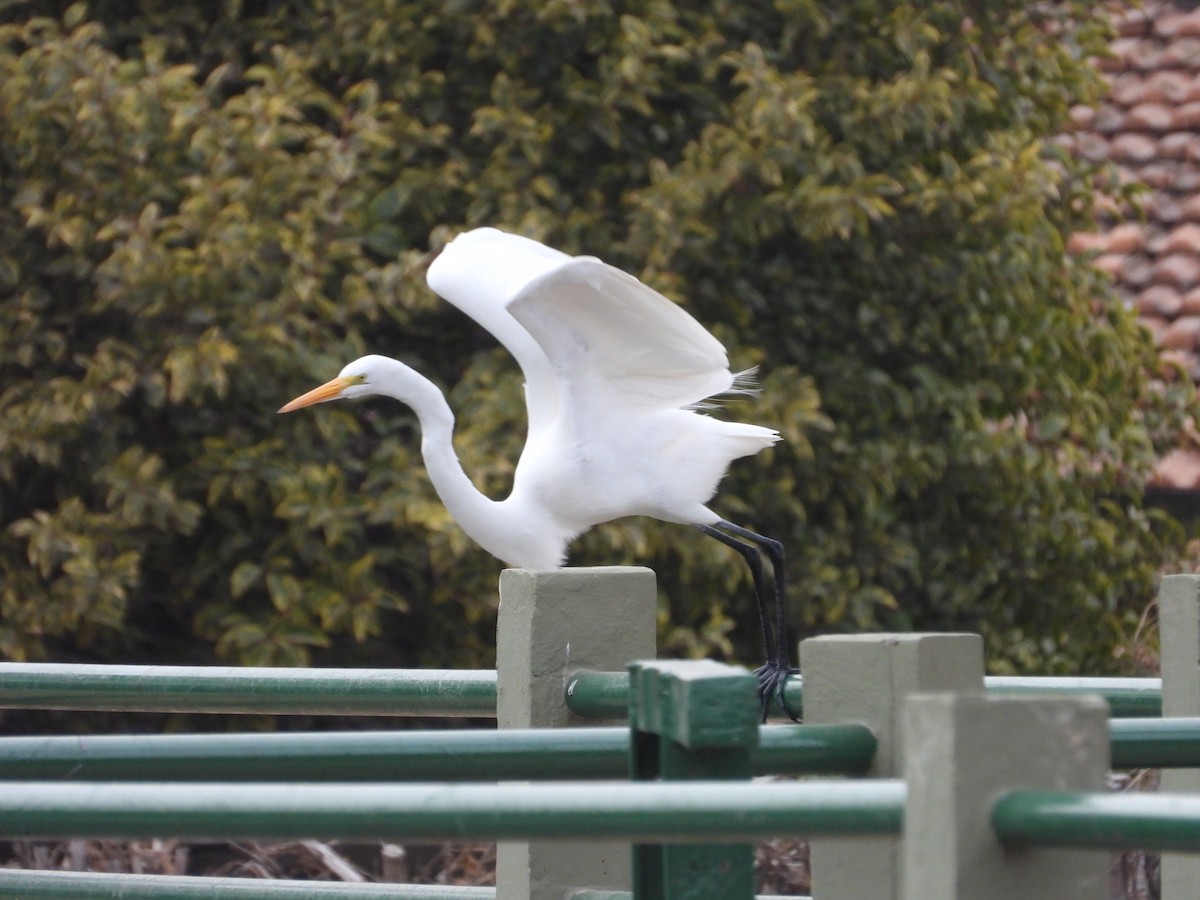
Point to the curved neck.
(503, 528)
(465, 502)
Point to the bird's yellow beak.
(330, 390)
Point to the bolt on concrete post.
(552, 624)
(866, 679)
(964, 751)
(1179, 642)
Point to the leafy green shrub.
(209, 209)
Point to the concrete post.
(963, 751)
(1179, 643)
(866, 679)
(552, 624)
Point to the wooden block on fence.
(1179, 642)
(963, 751)
(866, 679)
(552, 624)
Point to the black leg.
(774, 673)
(774, 551)
(754, 561)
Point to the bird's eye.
(358, 379)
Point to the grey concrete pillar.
(1179, 641)
(552, 624)
(866, 679)
(964, 751)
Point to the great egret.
(614, 373)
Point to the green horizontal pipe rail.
(227, 689)
(1169, 822)
(708, 811)
(403, 692)
(1128, 698)
(1155, 743)
(595, 894)
(470, 755)
(605, 695)
(533, 754)
(20, 884)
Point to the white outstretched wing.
(609, 336)
(479, 272)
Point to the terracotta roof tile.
(1184, 239)
(1149, 129)
(1156, 327)
(1159, 301)
(1187, 179)
(1182, 53)
(1182, 334)
(1169, 86)
(1120, 53)
(1147, 55)
(1190, 207)
(1112, 263)
(1175, 145)
(1128, 89)
(1185, 360)
(1181, 469)
(1128, 237)
(1187, 115)
(1178, 24)
(1133, 148)
(1109, 120)
(1148, 117)
(1133, 22)
(1190, 302)
(1179, 270)
(1156, 240)
(1159, 174)
(1166, 208)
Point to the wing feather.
(605, 331)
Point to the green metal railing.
(1128, 698)
(30, 885)
(605, 695)
(1099, 821)
(226, 689)
(404, 692)
(460, 755)
(707, 811)
(1155, 743)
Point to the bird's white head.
(363, 377)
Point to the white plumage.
(613, 372)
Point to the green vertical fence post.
(865, 679)
(1179, 642)
(966, 750)
(688, 720)
(551, 624)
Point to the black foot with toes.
(772, 676)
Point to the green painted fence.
(688, 728)
(458, 755)
(406, 692)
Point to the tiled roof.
(1149, 128)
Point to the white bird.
(615, 374)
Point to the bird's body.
(614, 373)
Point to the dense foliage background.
(207, 208)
